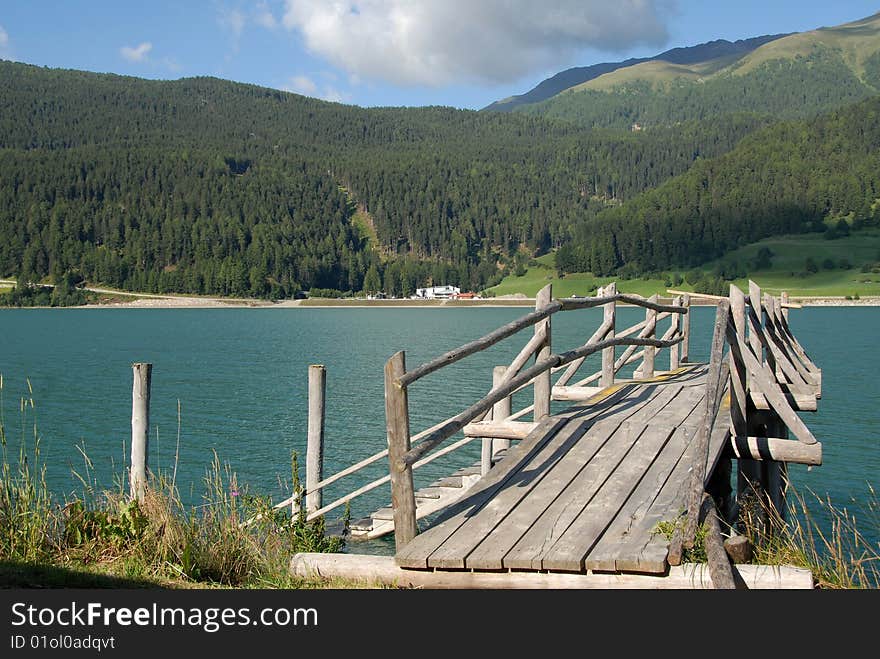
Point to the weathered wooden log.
(610, 317)
(570, 304)
(500, 429)
(674, 361)
(500, 412)
(380, 571)
(719, 562)
(140, 429)
(738, 549)
(738, 370)
(704, 431)
(397, 425)
(543, 388)
(764, 380)
(315, 437)
(647, 370)
(574, 393)
(482, 343)
(685, 356)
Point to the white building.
(438, 292)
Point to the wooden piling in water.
(140, 428)
(315, 437)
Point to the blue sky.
(461, 53)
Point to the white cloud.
(301, 85)
(264, 17)
(434, 42)
(233, 20)
(137, 53)
(304, 85)
(4, 38)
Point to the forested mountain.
(792, 177)
(208, 186)
(569, 78)
(796, 76)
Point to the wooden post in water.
(685, 330)
(610, 313)
(140, 429)
(315, 437)
(403, 498)
(783, 301)
(542, 382)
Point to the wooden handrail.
(459, 421)
(564, 304)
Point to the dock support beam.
(403, 498)
(140, 429)
(315, 437)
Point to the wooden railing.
(769, 377)
(404, 453)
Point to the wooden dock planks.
(580, 493)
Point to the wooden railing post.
(500, 411)
(685, 330)
(647, 369)
(738, 372)
(783, 302)
(140, 429)
(403, 499)
(755, 303)
(674, 361)
(315, 437)
(610, 313)
(543, 389)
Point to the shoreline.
(183, 302)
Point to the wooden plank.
(451, 554)
(610, 553)
(452, 518)
(454, 550)
(645, 550)
(415, 554)
(570, 550)
(592, 463)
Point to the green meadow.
(846, 266)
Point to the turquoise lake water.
(239, 377)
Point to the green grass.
(786, 273)
(103, 538)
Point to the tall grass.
(839, 553)
(233, 538)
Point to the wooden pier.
(585, 491)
